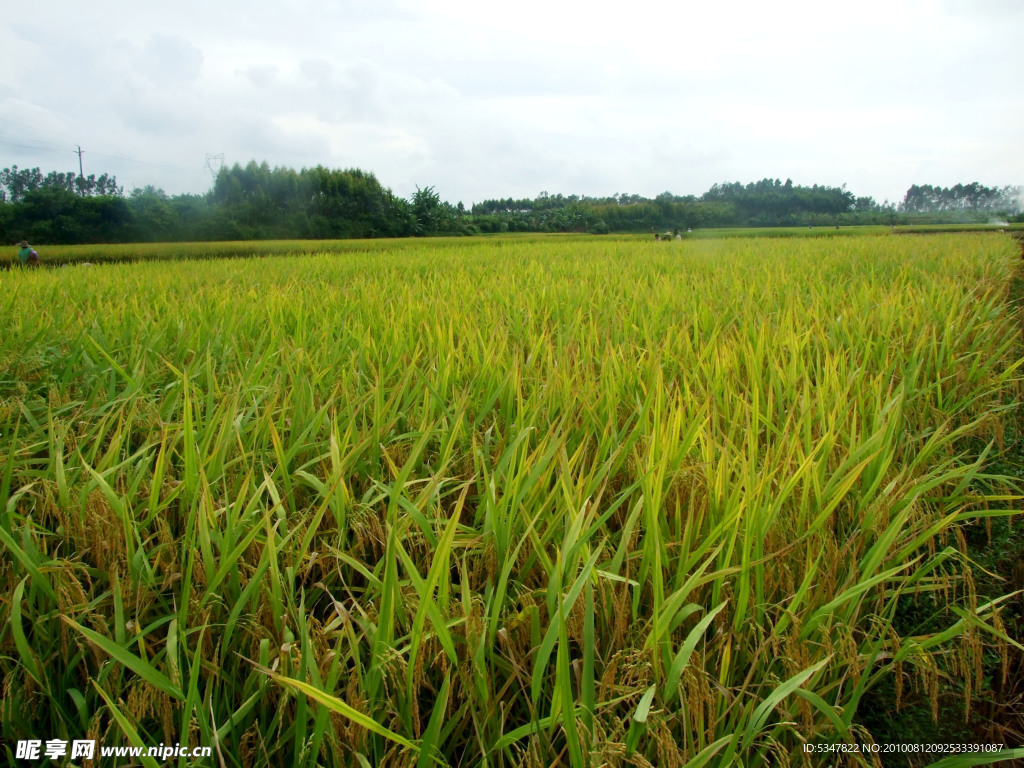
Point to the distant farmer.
(27, 255)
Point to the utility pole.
(81, 173)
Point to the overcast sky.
(484, 100)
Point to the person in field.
(27, 255)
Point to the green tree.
(430, 215)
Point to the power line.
(35, 128)
(40, 144)
(43, 144)
(140, 160)
(37, 144)
(20, 142)
(69, 137)
(20, 146)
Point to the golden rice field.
(545, 502)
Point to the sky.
(486, 100)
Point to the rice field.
(120, 253)
(506, 502)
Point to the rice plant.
(523, 502)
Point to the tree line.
(963, 198)
(253, 202)
(256, 201)
(15, 183)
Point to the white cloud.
(482, 100)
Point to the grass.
(574, 501)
